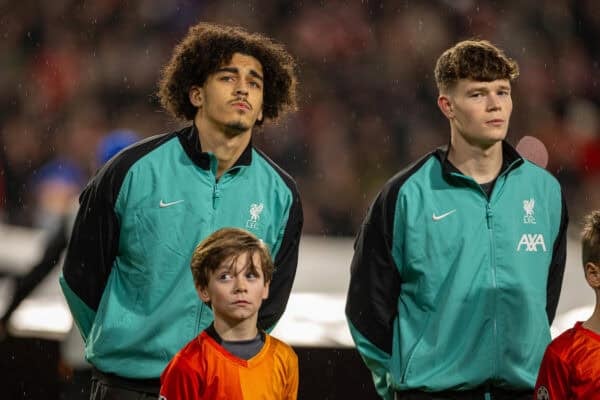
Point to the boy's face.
(236, 291)
(232, 97)
(478, 111)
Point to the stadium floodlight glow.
(324, 326)
(49, 319)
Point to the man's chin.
(236, 128)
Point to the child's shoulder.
(280, 347)
(571, 340)
(192, 347)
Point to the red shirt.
(204, 370)
(571, 367)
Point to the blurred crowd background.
(75, 71)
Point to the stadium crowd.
(73, 71)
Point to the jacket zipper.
(490, 226)
(216, 196)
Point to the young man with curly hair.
(458, 267)
(126, 274)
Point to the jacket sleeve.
(374, 289)
(92, 250)
(286, 263)
(553, 377)
(557, 265)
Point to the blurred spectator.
(57, 187)
(368, 95)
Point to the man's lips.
(495, 122)
(241, 105)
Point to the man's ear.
(260, 116)
(196, 96)
(592, 274)
(203, 294)
(445, 105)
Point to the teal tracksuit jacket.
(127, 275)
(451, 289)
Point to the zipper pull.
(216, 196)
(488, 216)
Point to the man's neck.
(236, 330)
(227, 148)
(482, 164)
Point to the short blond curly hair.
(474, 59)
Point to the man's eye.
(254, 84)
(224, 277)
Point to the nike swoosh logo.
(163, 204)
(438, 217)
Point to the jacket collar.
(190, 141)
(510, 159)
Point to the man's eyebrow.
(484, 88)
(256, 74)
(234, 70)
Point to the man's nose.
(493, 102)
(241, 89)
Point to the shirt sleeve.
(553, 377)
(180, 382)
(293, 377)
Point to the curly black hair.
(473, 59)
(206, 47)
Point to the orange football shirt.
(204, 370)
(571, 367)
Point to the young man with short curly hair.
(458, 267)
(126, 275)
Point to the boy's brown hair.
(478, 60)
(226, 245)
(207, 47)
(590, 238)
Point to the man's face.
(236, 291)
(479, 111)
(232, 97)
